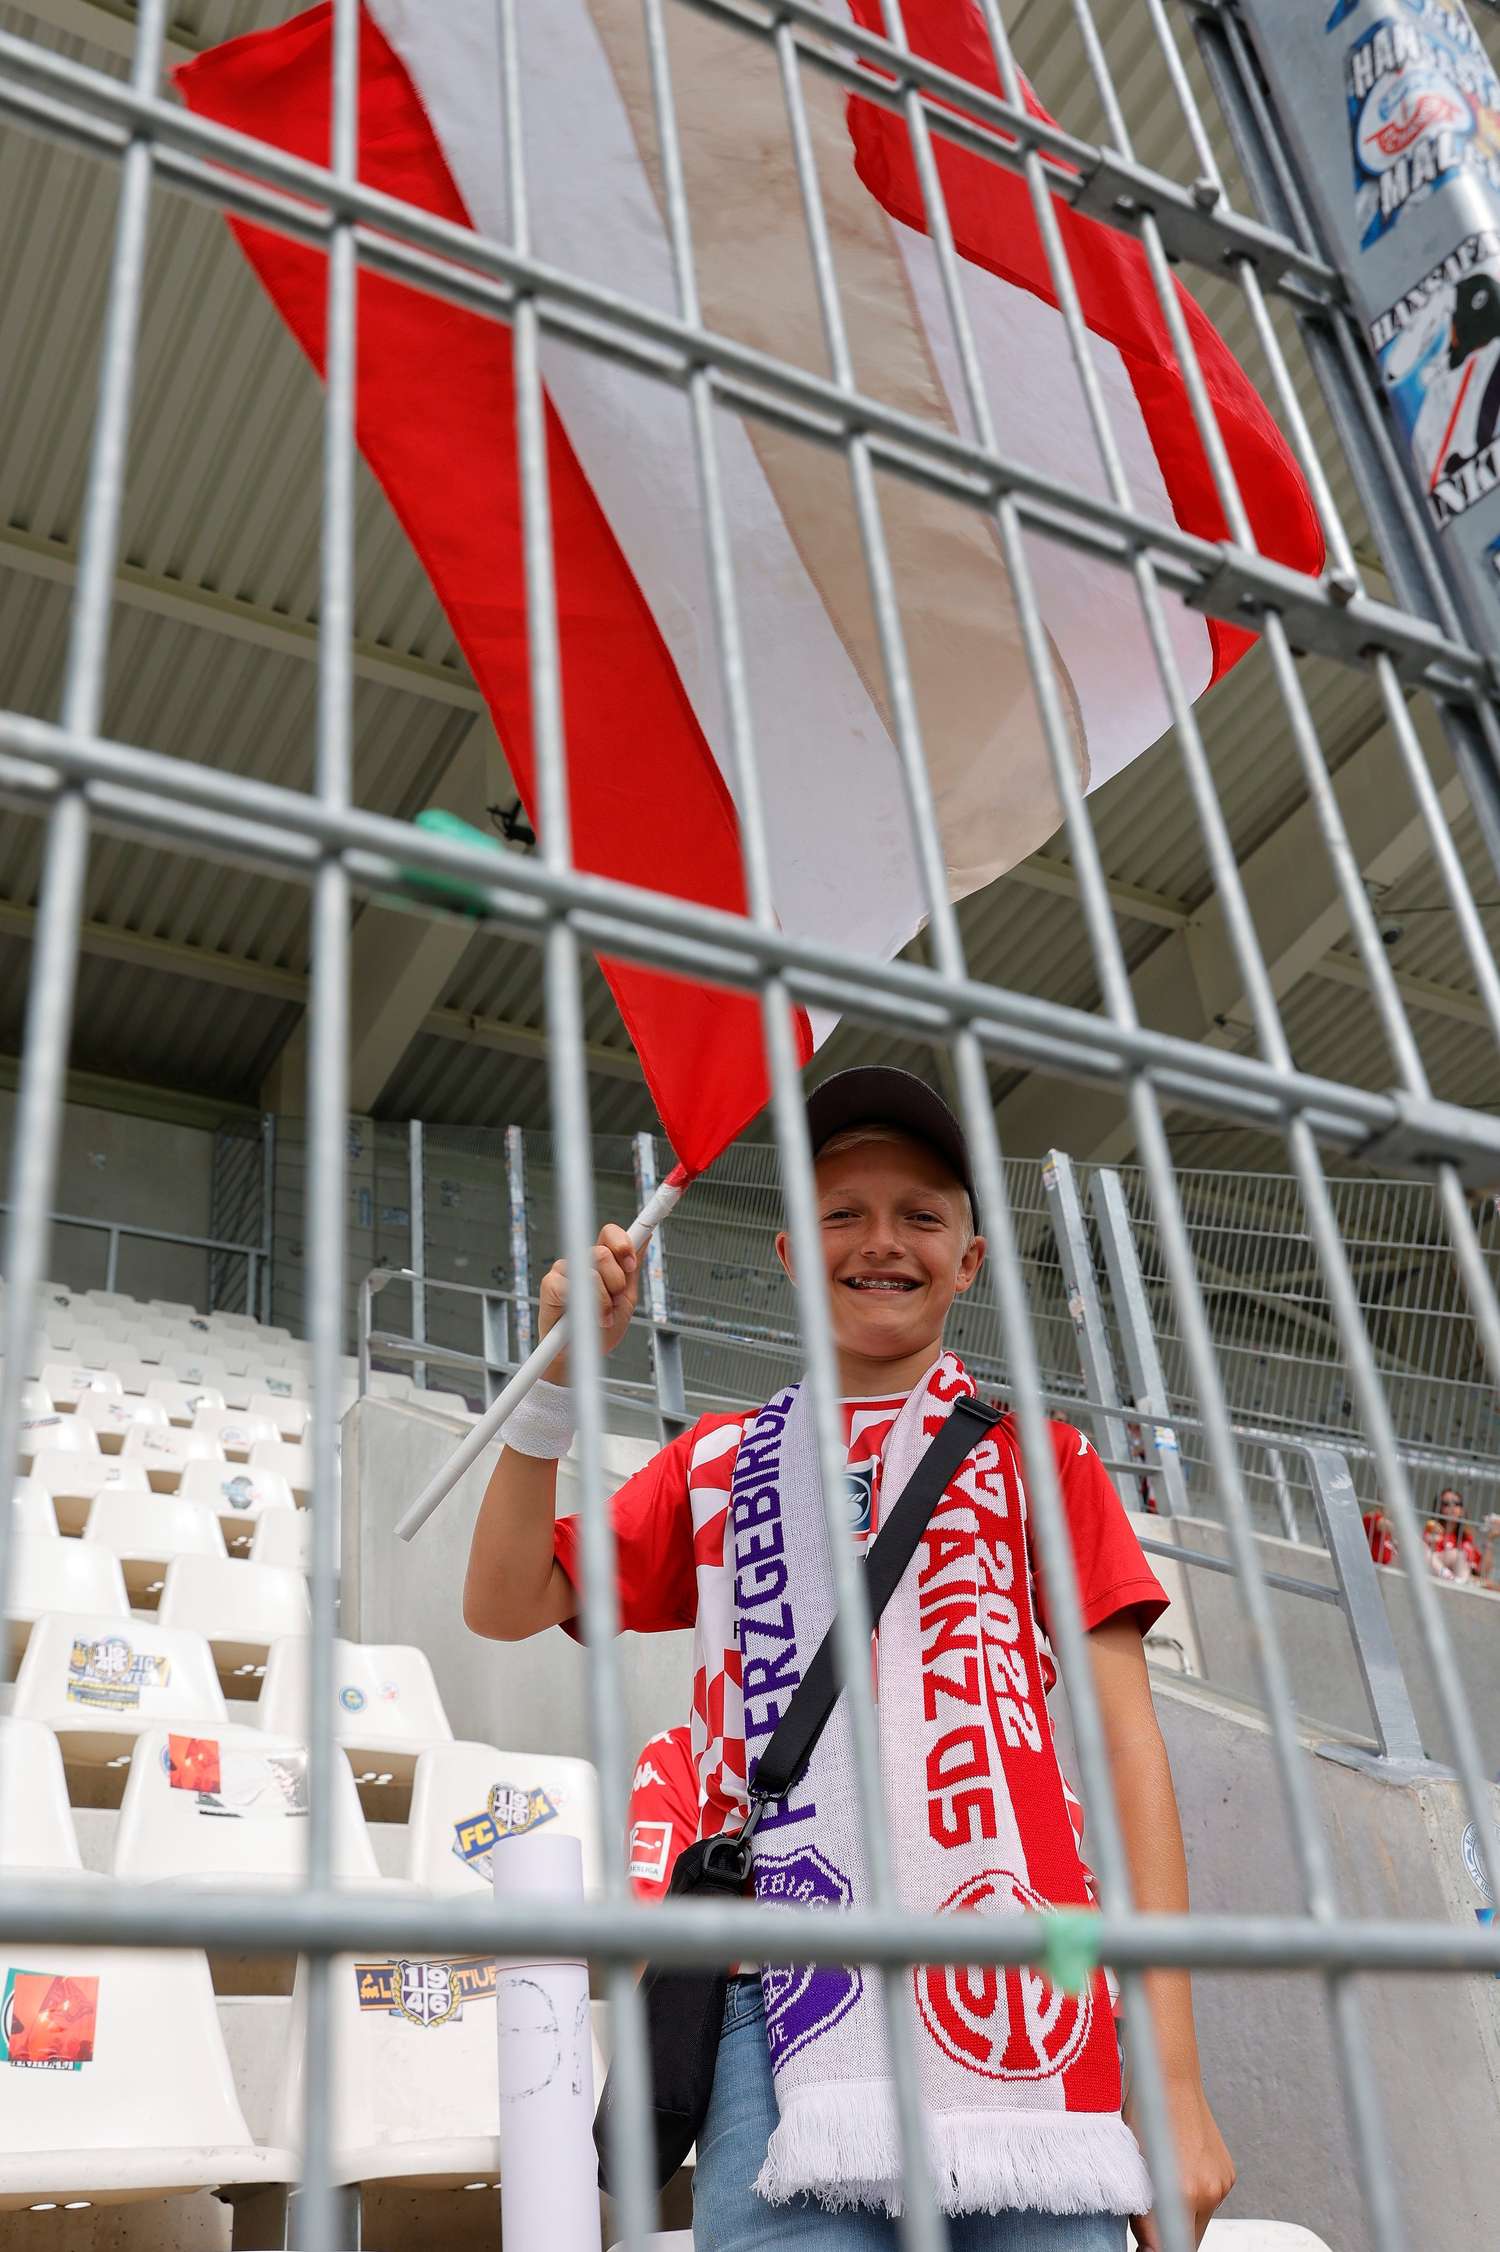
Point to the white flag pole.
(467, 1452)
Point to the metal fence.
(1415, 644)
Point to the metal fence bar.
(1137, 1330)
(1094, 1356)
(416, 1219)
(520, 1249)
(1396, 1731)
(666, 1342)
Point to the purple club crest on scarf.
(803, 2000)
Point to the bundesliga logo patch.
(512, 1811)
(426, 1993)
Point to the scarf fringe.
(839, 2143)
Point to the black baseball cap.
(879, 1095)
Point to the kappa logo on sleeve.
(512, 1811)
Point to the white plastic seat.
(182, 1401)
(201, 1372)
(61, 1575)
(134, 1373)
(152, 2110)
(147, 1532)
(237, 1493)
(72, 1480)
(288, 1459)
(35, 1397)
(151, 1346)
(225, 1320)
(288, 1409)
(97, 1679)
(115, 1300)
(386, 1705)
(284, 1537)
(467, 1799)
(36, 1821)
(172, 1309)
(271, 1333)
(32, 1509)
(232, 1352)
(415, 2073)
(233, 1432)
(166, 1451)
(1260, 2236)
(231, 1807)
(110, 1415)
(92, 1346)
(67, 1382)
(240, 1609)
(53, 1434)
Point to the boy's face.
(894, 1226)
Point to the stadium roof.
(194, 973)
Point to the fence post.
(494, 1315)
(112, 1261)
(520, 1245)
(1375, 1653)
(666, 1345)
(416, 1207)
(1143, 1367)
(267, 1216)
(1095, 1359)
(1284, 1502)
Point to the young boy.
(724, 1532)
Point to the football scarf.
(1020, 2082)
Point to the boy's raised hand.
(616, 1284)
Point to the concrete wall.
(1317, 1645)
(116, 1167)
(527, 1696)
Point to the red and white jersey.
(663, 1811)
(670, 1523)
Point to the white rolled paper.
(549, 2170)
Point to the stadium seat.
(240, 1609)
(172, 1309)
(134, 1373)
(36, 1821)
(233, 1431)
(97, 1679)
(151, 2109)
(48, 1574)
(147, 1531)
(54, 1434)
(284, 1537)
(1260, 2236)
(468, 1798)
(238, 1493)
(387, 1709)
(32, 1508)
(73, 1479)
(228, 1807)
(182, 1401)
(150, 1346)
(236, 1321)
(290, 1460)
(66, 1382)
(415, 2071)
(111, 1414)
(288, 1410)
(166, 1452)
(92, 1346)
(115, 1300)
(35, 1397)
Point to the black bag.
(685, 2005)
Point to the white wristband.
(544, 1424)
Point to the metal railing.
(75, 778)
(255, 1255)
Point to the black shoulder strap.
(785, 1758)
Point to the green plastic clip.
(452, 892)
(1070, 1948)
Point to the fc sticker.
(426, 1993)
(513, 1810)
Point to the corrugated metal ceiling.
(223, 503)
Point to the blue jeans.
(729, 2217)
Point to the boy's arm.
(1159, 1885)
(515, 1586)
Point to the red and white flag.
(643, 701)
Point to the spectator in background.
(1453, 1553)
(663, 1811)
(1378, 1534)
